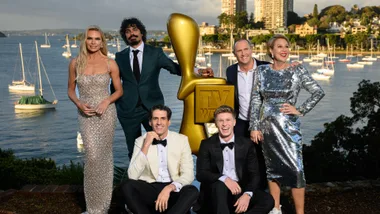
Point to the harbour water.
(53, 133)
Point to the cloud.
(108, 14)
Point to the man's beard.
(133, 42)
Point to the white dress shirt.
(245, 82)
(139, 55)
(163, 172)
(229, 169)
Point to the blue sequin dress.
(282, 146)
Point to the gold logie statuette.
(184, 33)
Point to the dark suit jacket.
(232, 78)
(210, 167)
(154, 59)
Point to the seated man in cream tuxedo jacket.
(161, 169)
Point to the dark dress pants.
(140, 197)
(131, 125)
(241, 129)
(223, 201)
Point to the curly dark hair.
(161, 108)
(126, 23)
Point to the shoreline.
(170, 50)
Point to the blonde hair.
(271, 41)
(81, 61)
(224, 109)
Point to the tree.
(349, 39)
(348, 148)
(251, 19)
(315, 11)
(293, 18)
(240, 20)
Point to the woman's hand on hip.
(289, 109)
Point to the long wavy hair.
(81, 62)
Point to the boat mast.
(22, 64)
(39, 68)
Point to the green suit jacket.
(154, 59)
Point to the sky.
(108, 14)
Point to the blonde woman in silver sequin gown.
(275, 120)
(91, 71)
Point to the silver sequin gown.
(282, 146)
(97, 134)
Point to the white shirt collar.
(254, 66)
(231, 140)
(140, 48)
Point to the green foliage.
(334, 13)
(349, 147)
(210, 38)
(315, 11)
(261, 39)
(15, 172)
(313, 22)
(166, 39)
(293, 18)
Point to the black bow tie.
(162, 142)
(230, 145)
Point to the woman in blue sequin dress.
(275, 120)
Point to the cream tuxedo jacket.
(180, 160)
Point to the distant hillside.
(2, 35)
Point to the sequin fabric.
(97, 134)
(282, 146)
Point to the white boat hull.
(328, 72)
(45, 46)
(315, 63)
(366, 63)
(320, 76)
(66, 54)
(369, 59)
(355, 65)
(35, 107)
(307, 60)
(21, 88)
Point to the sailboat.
(346, 59)
(327, 68)
(47, 43)
(370, 58)
(38, 101)
(355, 65)
(67, 53)
(75, 43)
(308, 58)
(21, 85)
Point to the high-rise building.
(230, 7)
(258, 10)
(273, 12)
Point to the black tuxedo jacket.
(210, 166)
(232, 78)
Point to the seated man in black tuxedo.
(228, 171)
(161, 170)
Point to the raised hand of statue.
(206, 72)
